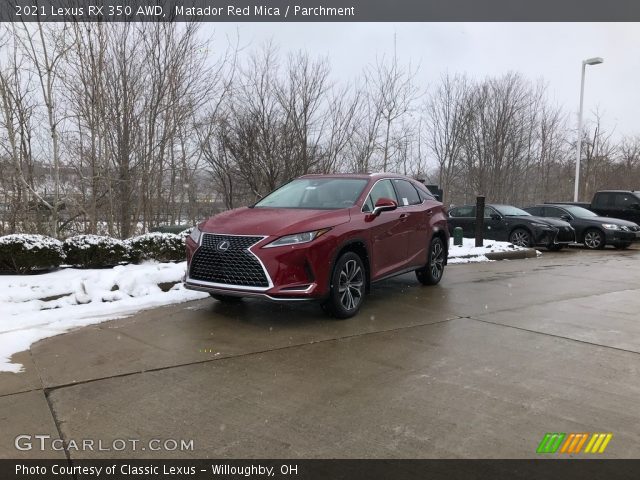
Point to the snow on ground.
(469, 253)
(80, 297)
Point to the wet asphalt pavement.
(480, 366)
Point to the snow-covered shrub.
(185, 233)
(162, 247)
(92, 251)
(22, 253)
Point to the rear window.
(603, 199)
(463, 212)
(537, 211)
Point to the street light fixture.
(588, 61)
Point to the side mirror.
(566, 218)
(495, 216)
(384, 205)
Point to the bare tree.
(447, 121)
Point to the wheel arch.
(359, 247)
(593, 227)
(520, 226)
(445, 241)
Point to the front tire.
(521, 238)
(594, 239)
(347, 289)
(432, 272)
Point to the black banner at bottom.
(202, 469)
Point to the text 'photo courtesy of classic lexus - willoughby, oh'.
(321, 237)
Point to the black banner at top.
(321, 10)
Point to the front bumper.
(545, 236)
(293, 273)
(619, 237)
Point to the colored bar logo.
(573, 442)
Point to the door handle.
(429, 212)
(403, 215)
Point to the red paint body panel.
(395, 241)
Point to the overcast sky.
(549, 51)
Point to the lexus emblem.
(223, 246)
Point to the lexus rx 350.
(321, 237)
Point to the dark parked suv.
(592, 230)
(324, 237)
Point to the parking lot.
(480, 366)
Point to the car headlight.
(610, 226)
(540, 225)
(195, 234)
(297, 238)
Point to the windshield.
(579, 212)
(315, 194)
(509, 211)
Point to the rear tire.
(432, 272)
(348, 287)
(594, 239)
(226, 298)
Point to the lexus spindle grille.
(226, 259)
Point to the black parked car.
(594, 231)
(510, 224)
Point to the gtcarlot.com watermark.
(44, 442)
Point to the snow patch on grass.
(469, 253)
(39, 306)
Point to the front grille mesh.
(234, 266)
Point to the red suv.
(322, 237)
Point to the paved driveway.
(482, 365)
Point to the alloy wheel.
(592, 239)
(350, 286)
(437, 260)
(520, 238)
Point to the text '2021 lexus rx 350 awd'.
(321, 237)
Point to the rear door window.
(537, 211)
(463, 212)
(553, 212)
(407, 193)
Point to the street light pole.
(589, 61)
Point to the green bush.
(22, 253)
(162, 247)
(94, 251)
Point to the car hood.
(273, 221)
(615, 221)
(554, 222)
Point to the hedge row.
(26, 253)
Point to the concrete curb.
(514, 255)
